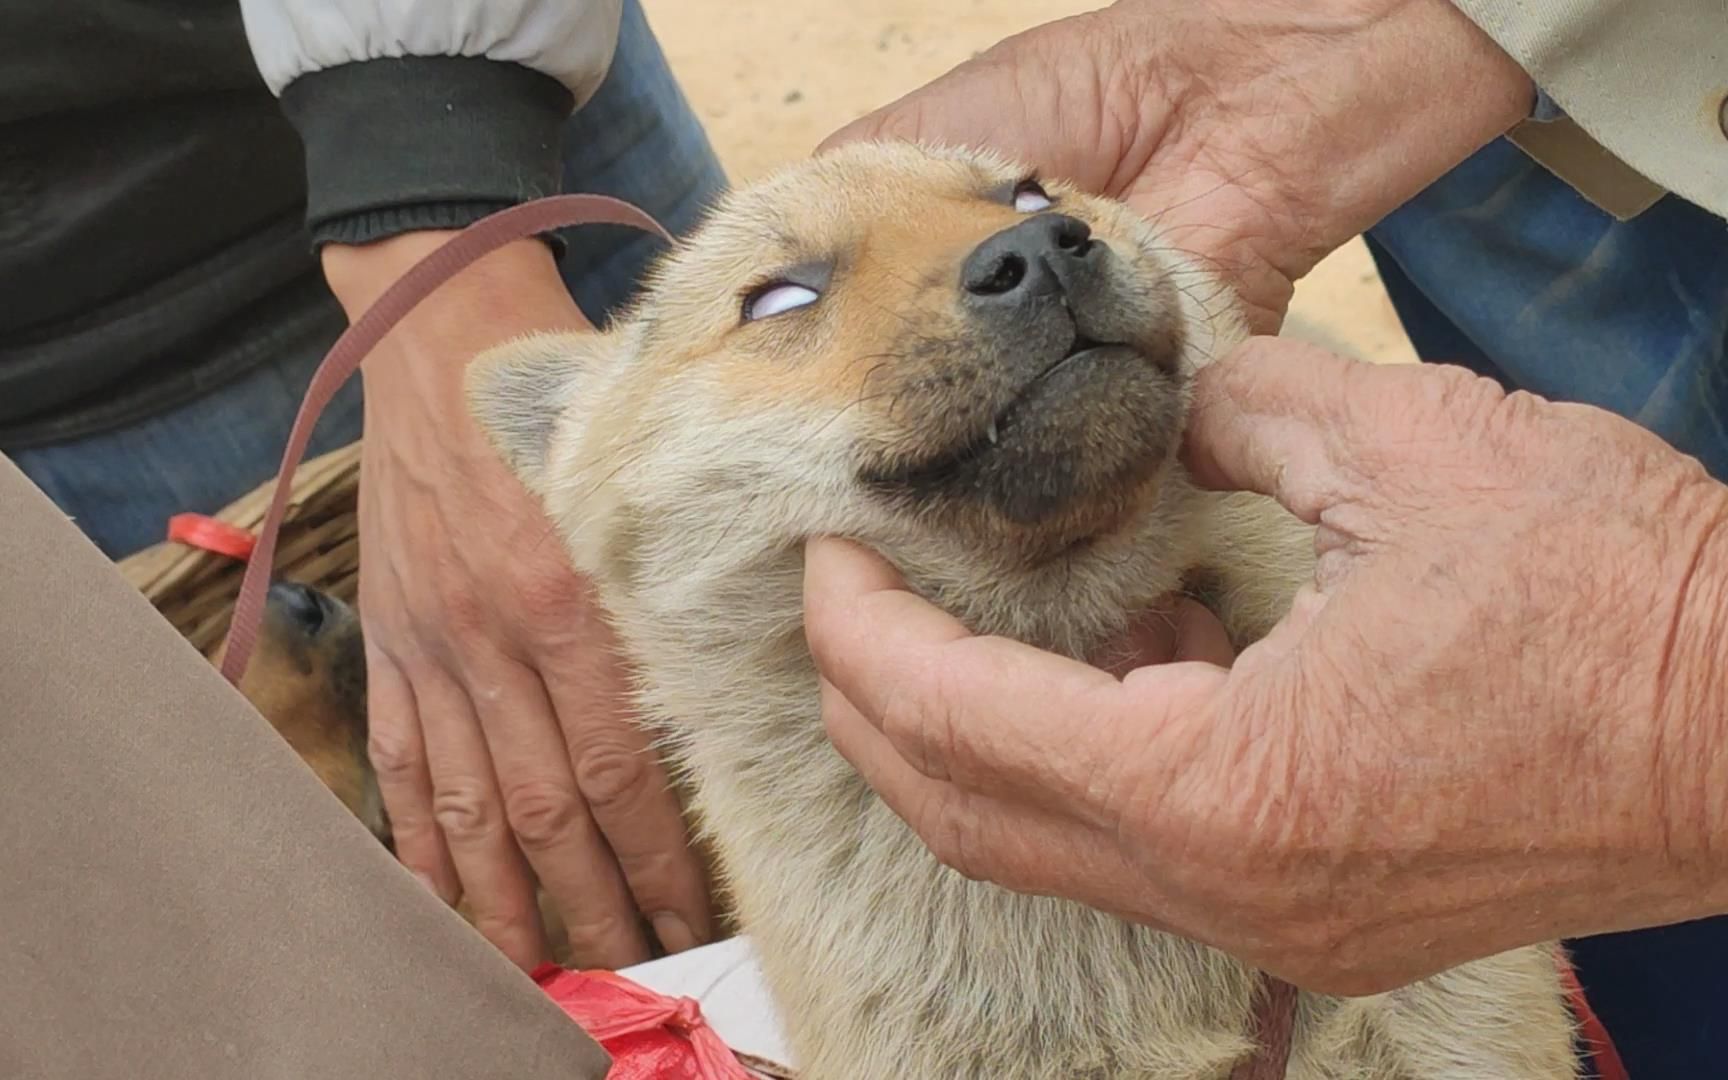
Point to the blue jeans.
(1505, 270)
(637, 139)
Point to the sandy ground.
(772, 78)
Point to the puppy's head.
(307, 676)
(909, 346)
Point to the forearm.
(420, 119)
(514, 291)
(1408, 90)
(1431, 90)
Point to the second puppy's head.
(931, 350)
(307, 677)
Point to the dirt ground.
(772, 78)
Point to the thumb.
(896, 121)
(1274, 418)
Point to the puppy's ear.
(523, 392)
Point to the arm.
(498, 720)
(1493, 719)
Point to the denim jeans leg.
(120, 487)
(637, 140)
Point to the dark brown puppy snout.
(302, 607)
(1043, 256)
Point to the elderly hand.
(1261, 134)
(1496, 717)
(499, 730)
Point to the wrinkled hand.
(1261, 134)
(498, 723)
(1494, 718)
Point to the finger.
(546, 813)
(398, 754)
(467, 805)
(982, 712)
(630, 795)
(1262, 419)
(1151, 639)
(1012, 100)
(1015, 845)
(905, 119)
(1181, 630)
(864, 128)
(1200, 635)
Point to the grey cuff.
(399, 145)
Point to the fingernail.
(674, 933)
(425, 879)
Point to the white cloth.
(726, 981)
(570, 40)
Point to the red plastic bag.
(650, 1037)
(1600, 1046)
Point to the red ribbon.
(1595, 1033)
(650, 1037)
(202, 531)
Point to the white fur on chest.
(889, 965)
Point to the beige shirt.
(1644, 84)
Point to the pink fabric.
(650, 1037)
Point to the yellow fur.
(685, 457)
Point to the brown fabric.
(179, 898)
(1643, 78)
(1564, 149)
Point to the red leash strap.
(1275, 1022)
(1594, 1034)
(1275, 1026)
(460, 251)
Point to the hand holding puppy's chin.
(1494, 719)
(1258, 134)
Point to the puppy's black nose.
(1034, 258)
(302, 605)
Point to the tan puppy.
(985, 379)
(307, 677)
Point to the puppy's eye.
(777, 298)
(1030, 197)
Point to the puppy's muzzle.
(1051, 255)
(304, 608)
(1058, 399)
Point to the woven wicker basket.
(319, 546)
